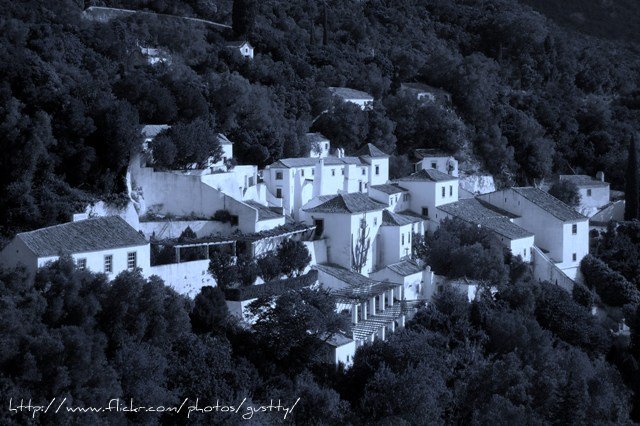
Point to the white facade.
(595, 193)
(357, 97)
(244, 48)
(444, 164)
(426, 195)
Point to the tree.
(294, 257)
(567, 192)
(223, 269)
(270, 267)
(243, 16)
(632, 183)
(612, 287)
(360, 247)
(185, 144)
(210, 311)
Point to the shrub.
(612, 287)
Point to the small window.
(396, 198)
(81, 263)
(375, 220)
(588, 193)
(278, 192)
(342, 171)
(434, 165)
(443, 192)
(364, 172)
(132, 260)
(278, 175)
(505, 199)
(313, 172)
(451, 190)
(235, 221)
(574, 257)
(524, 253)
(333, 172)
(402, 239)
(377, 170)
(574, 228)
(405, 197)
(108, 263)
(363, 222)
(302, 172)
(425, 211)
(326, 146)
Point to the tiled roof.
(405, 267)
(413, 214)
(478, 212)
(336, 340)
(347, 203)
(347, 93)
(264, 213)
(430, 152)
(397, 219)
(223, 139)
(152, 130)
(238, 43)
(358, 286)
(429, 175)
(583, 181)
(549, 204)
(101, 233)
(389, 188)
(289, 163)
(370, 150)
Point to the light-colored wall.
(544, 269)
(522, 247)
(344, 354)
(414, 284)
(578, 244)
(267, 224)
(392, 249)
(317, 250)
(600, 196)
(238, 309)
(383, 171)
(186, 277)
(429, 194)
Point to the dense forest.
(530, 98)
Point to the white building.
(594, 193)
(243, 47)
(339, 219)
(395, 237)
(500, 222)
(436, 159)
(375, 307)
(561, 233)
(429, 189)
(416, 278)
(319, 145)
(103, 244)
(155, 56)
(357, 97)
(428, 94)
(293, 182)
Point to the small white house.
(103, 244)
(416, 278)
(594, 193)
(339, 349)
(319, 145)
(429, 189)
(243, 47)
(437, 160)
(357, 97)
(395, 237)
(340, 218)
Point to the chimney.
(600, 176)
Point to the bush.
(583, 296)
(613, 288)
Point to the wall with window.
(448, 165)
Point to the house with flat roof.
(561, 233)
(357, 97)
(102, 244)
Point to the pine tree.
(632, 206)
(243, 16)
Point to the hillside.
(609, 19)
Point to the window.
(278, 192)
(363, 222)
(405, 197)
(574, 228)
(434, 165)
(375, 220)
(234, 220)
(588, 193)
(443, 191)
(278, 175)
(402, 239)
(364, 172)
(108, 263)
(132, 260)
(524, 253)
(342, 171)
(425, 211)
(377, 170)
(81, 263)
(574, 257)
(333, 172)
(326, 146)
(313, 172)
(451, 190)
(360, 186)
(302, 172)
(396, 198)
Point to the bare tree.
(360, 250)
